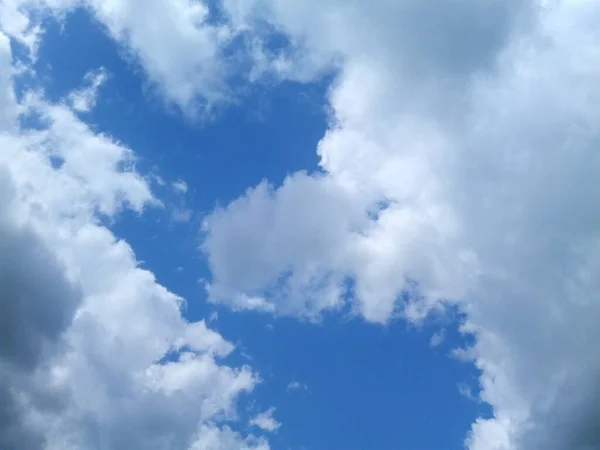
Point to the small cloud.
(242, 302)
(463, 354)
(265, 421)
(467, 392)
(182, 215)
(180, 186)
(214, 316)
(437, 338)
(84, 99)
(297, 386)
(157, 179)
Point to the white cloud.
(296, 386)
(467, 391)
(7, 95)
(184, 58)
(182, 215)
(183, 55)
(211, 438)
(16, 23)
(96, 353)
(180, 186)
(481, 141)
(84, 99)
(437, 339)
(265, 421)
(304, 240)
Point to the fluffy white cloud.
(293, 258)
(176, 42)
(94, 353)
(461, 167)
(265, 420)
(15, 22)
(182, 52)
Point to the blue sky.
(271, 133)
(272, 225)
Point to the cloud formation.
(460, 168)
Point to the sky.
(285, 225)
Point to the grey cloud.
(37, 300)
(14, 434)
(37, 304)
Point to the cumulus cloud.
(185, 60)
(293, 260)
(94, 353)
(460, 168)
